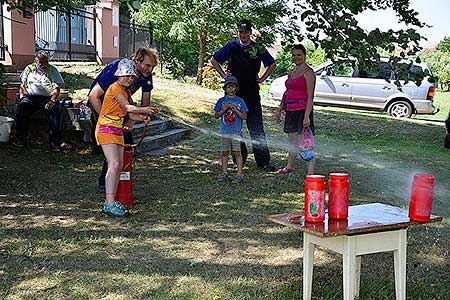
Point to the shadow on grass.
(185, 223)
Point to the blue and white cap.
(230, 79)
(126, 67)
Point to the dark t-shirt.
(244, 62)
(106, 78)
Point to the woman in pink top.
(298, 103)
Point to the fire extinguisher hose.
(144, 131)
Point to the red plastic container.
(124, 193)
(338, 196)
(315, 198)
(421, 197)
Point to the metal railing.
(67, 36)
(133, 36)
(2, 36)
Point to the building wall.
(19, 38)
(107, 34)
(19, 35)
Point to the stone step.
(162, 140)
(13, 79)
(154, 127)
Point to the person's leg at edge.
(114, 157)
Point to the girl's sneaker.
(114, 211)
(121, 206)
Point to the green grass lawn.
(190, 237)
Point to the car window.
(341, 69)
(415, 72)
(383, 71)
(416, 69)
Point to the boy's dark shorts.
(293, 121)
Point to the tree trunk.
(201, 54)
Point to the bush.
(211, 79)
(439, 62)
(314, 57)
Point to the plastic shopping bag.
(306, 144)
(306, 141)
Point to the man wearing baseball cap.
(244, 58)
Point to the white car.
(341, 84)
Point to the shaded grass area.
(190, 237)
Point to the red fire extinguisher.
(124, 192)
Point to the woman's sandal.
(285, 170)
(114, 211)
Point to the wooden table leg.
(308, 262)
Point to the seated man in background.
(39, 90)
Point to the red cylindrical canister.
(315, 198)
(338, 196)
(124, 193)
(421, 197)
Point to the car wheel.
(400, 109)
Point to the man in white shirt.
(39, 90)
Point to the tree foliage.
(314, 57)
(439, 62)
(444, 45)
(333, 26)
(203, 26)
(43, 5)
